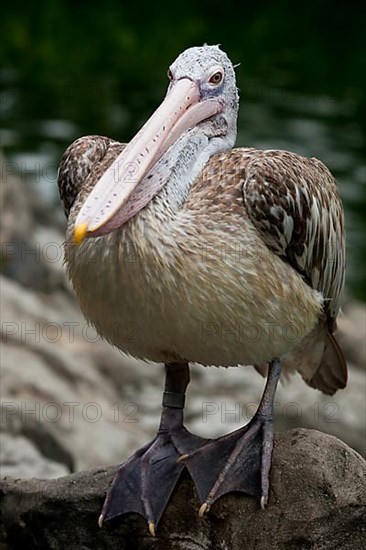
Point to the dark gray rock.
(317, 501)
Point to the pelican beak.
(123, 189)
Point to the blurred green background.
(70, 69)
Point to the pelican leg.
(144, 483)
(241, 460)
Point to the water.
(68, 71)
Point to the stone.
(317, 501)
(20, 457)
(61, 383)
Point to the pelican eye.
(216, 78)
(170, 74)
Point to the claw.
(100, 520)
(204, 508)
(152, 528)
(182, 458)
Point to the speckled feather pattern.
(294, 203)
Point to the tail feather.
(319, 360)
(331, 374)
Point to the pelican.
(182, 249)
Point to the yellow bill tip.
(80, 232)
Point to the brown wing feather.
(79, 160)
(295, 205)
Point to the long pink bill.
(104, 208)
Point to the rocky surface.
(18, 453)
(318, 501)
(61, 383)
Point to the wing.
(84, 158)
(295, 205)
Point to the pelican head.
(202, 98)
(213, 75)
